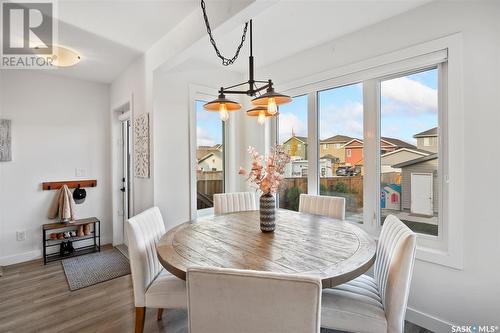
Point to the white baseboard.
(31, 255)
(20, 257)
(427, 321)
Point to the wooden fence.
(208, 183)
(350, 188)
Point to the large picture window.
(209, 156)
(409, 156)
(386, 134)
(340, 126)
(292, 134)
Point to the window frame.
(446, 248)
(202, 93)
(428, 240)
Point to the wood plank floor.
(36, 298)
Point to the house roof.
(394, 187)
(329, 157)
(337, 138)
(302, 139)
(392, 141)
(416, 151)
(214, 147)
(416, 161)
(353, 140)
(205, 157)
(399, 143)
(429, 132)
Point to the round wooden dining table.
(333, 250)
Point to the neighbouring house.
(296, 146)
(325, 167)
(428, 140)
(354, 152)
(354, 149)
(419, 185)
(202, 151)
(213, 161)
(333, 147)
(401, 155)
(391, 197)
(297, 168)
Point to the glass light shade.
(63, 56)
(215, 105)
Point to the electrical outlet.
(21, 235)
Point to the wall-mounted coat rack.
(71, 184)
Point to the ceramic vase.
(267, 213)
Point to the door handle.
(122, 189)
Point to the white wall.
(470, 295)
(171, 107)
(137, 81)
(129, 87)
(58, 124)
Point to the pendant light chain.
(225, 61)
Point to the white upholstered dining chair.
(333, 207)
(153, 286)
(234, 202)
(372, 305)
(228, 300)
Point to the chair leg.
(140, 316)
(160, 314)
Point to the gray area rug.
(94, 268)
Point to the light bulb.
(223, 114)
(272, 108)
(261, 119)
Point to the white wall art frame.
(5, 140)
(141, 146)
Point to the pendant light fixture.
(266, 104)
(223, 106)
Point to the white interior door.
(126, 172)
(421, 193)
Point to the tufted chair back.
(144, 231)
(393, 269)
(333, 207)
(234, 202)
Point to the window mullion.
(371, 133)
(313, 144)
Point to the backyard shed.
(419, 185)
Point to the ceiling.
(289, 27)
(111, 34)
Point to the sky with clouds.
(208, 126)
(408, 106)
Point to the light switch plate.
(80, 172)
(21, 235)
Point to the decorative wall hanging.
(141, 145)
(5, 140)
